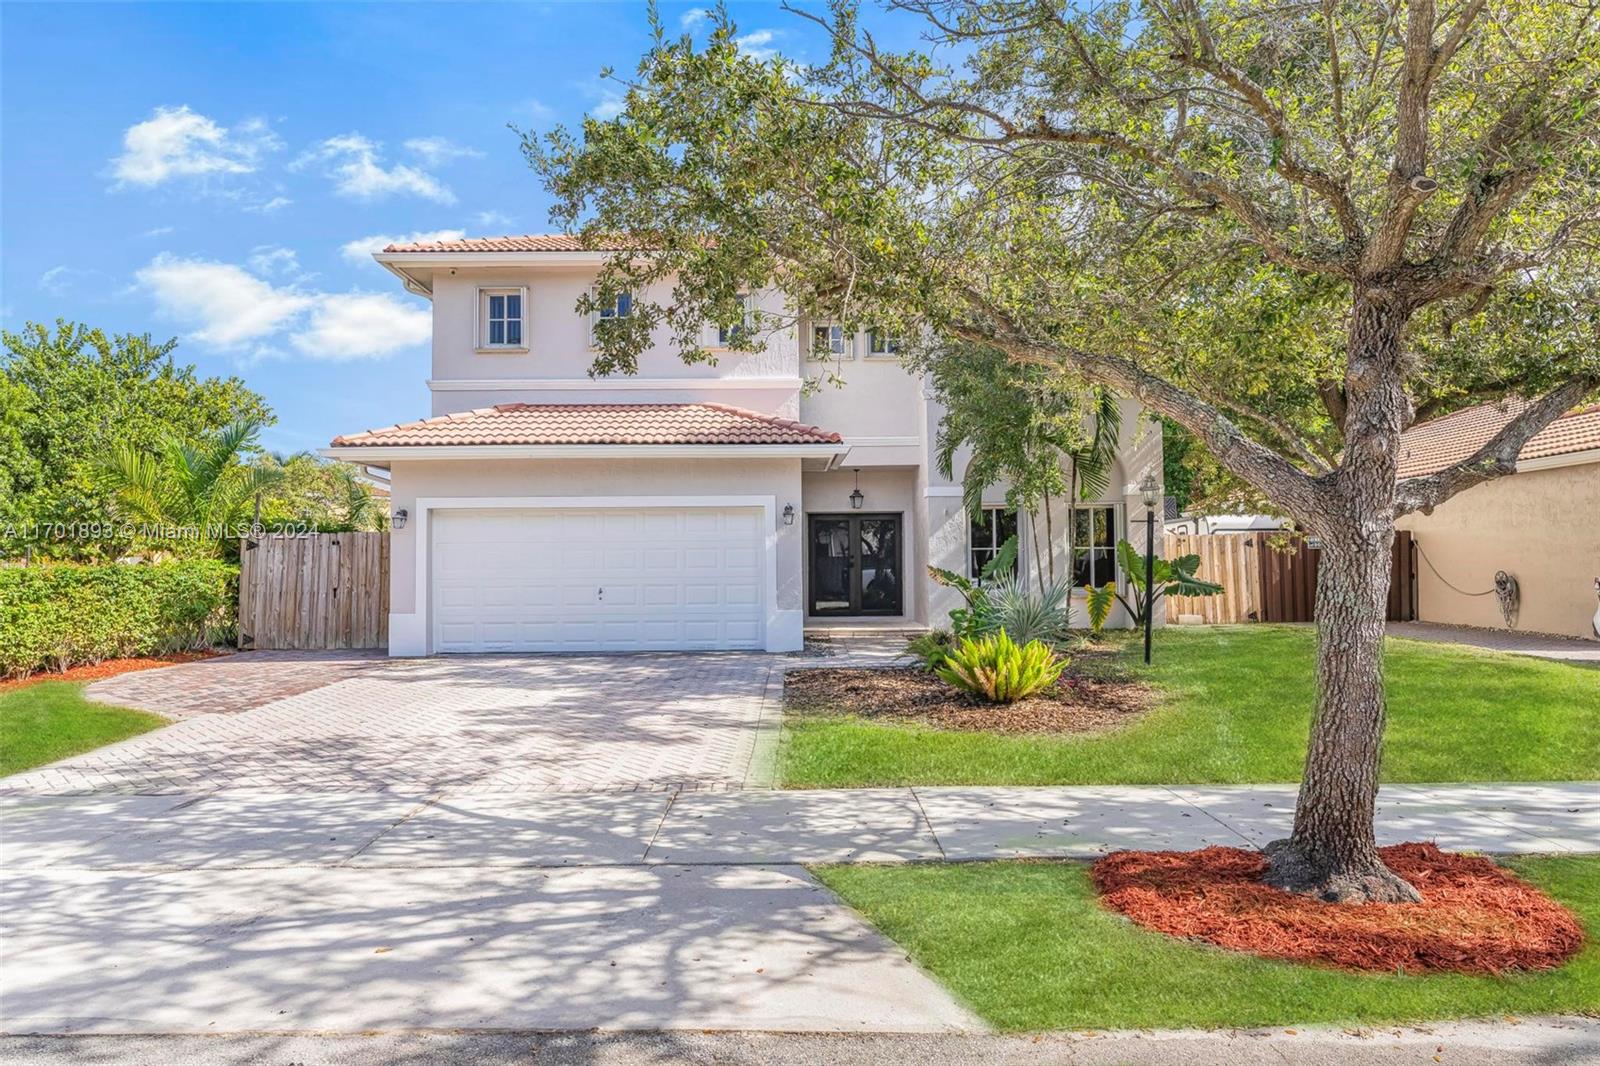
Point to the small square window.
(829, 340)
(882, 344)
(988, 534)
(621, 307)
(501, 318)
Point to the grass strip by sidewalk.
(1027, 946)
(1236, 709)
(51, 720)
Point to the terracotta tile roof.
(1432, 446)
(528, 242)
(597, 423)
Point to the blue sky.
(218, 172)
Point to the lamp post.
(1150, 492)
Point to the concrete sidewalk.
(244, 829)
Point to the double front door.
(855, 565)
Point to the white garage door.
(597, 580)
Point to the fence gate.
(1262, 584)
(321, 590)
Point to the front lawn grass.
(1236, 709)
(51, 720)
(1027, 946)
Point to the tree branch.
(1497, 457)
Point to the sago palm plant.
(996, 668)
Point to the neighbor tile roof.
(597, 423)
(528, 242)
(1432, 446)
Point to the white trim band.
(609, 384)
(368, 453)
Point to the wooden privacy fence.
(1261, 584)
(319, 590)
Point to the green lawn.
(1026, 945)
(51, 720)
(1236, 708)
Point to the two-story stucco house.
(685, 507)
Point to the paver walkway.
(1539, 645)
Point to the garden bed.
(1474, 918)
(1084, 701)
(109, 668)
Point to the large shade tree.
(1295, 230)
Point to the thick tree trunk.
(1332, 852)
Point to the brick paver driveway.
(481, 723)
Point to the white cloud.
(274, 259)
(157, 231)
(538, 110)
(436, 150)
(225, 304)
(756, 44)
(360, 325)
(175, 142)
(228, 306)
(693, 17)
(59, 280)
(54, 279)
(360, 250)
(493, 220)
(610, 106)
(277, 203)
(357, 170)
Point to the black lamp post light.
(1150, 493)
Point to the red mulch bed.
(109, 668)
(1475, 917)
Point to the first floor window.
(989, 531)
(610, 311)
(830, 341)
(882, 343)
(502, 318)
(727, 335)
(1094, 545)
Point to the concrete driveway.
(309, 722)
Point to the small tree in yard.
(1293, 230)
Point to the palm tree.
(201, 486)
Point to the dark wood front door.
(855, 564)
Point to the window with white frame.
(727, 335)
(1094, 545)
(500, 318)
(987, 534)
(608, 311)
(882, 344)
(829, 340)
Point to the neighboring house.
(1199, 524)
(704, 506)
(1541, 525)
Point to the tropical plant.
(1173, 577)
(972, 619)
(323, 495)
(1029, 614)
(930, 648)
(1294, 229)
(1099, 601)
(199, 492)
(1000, 670)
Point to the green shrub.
(998, 669)
(1028, 614)
(53, 617)
(930, 647)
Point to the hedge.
(56, 616)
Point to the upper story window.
(882, 344)
(727, 335)
(621, 307)
(500, 318)
(986, 536)
(829, 340)
(1094, 545)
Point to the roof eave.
(374, 453)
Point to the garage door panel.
(529, 580)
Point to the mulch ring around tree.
(1474, 918)
(1078, 703)
(109, 668)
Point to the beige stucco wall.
(1540, 526)
(411, 481)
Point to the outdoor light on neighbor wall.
(788, 514)
(400, 518)
(856, 499)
